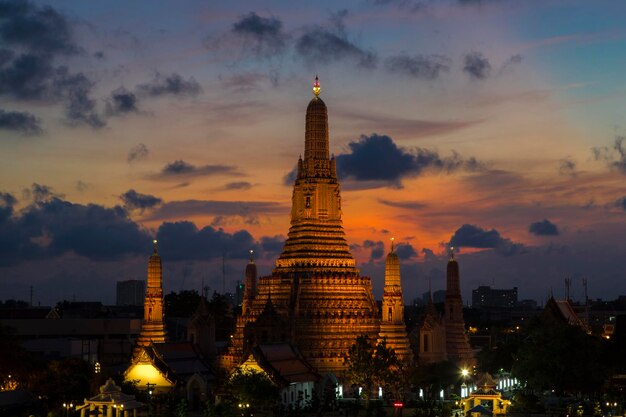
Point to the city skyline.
(491, 126)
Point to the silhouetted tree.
(562, 357)
(370, 365)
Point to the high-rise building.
(485, 296)
(130, 292)
(315, 298)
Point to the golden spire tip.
(316, 87)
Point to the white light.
(441, 394)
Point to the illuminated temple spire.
(457, 343)
(315, 298)
(152, 328)
(316, 238)
(392, 327)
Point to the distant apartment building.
(130, 292)
(438, 296)
(485, 296)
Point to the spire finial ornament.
(316, 87)
(392, 239)
(451, 252)
(154, 244)
(251, 255)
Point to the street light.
(67, 408)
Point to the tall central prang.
(315, 299)
(316, 237)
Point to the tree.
(16, 363)
(370, 365)
(252, 387)
(561, 357)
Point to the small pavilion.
(486, 397)
(110, 402)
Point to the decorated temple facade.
(315, 298)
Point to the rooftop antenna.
(568, 284)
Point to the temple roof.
(284, 362)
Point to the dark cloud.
(264, 33)
(173, 85)
(41, 29)
(99, 55)
(179, 169)
(428, 254)
(21, 122)
(51, 227)
(137, 201)
(621, 203)
(291, 176)
(7, 201)
(184, 241)
(249, 211)
(377, 249)
(476, 65)
(121, 102)
(378, 158)
(405, 251)
(35, 37)
(322, 46)
(567, 166)
(474, 236)
(74, 90)
(427, 67)
(272, 244)
(614, 156)
(137, 153)
(409, 205)
(543, 228)
(329, 44)
(38, 193)
(28, 77)
(238, 185)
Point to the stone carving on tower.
(458, 348)
(392, 327)
(315, 295)
(152, 327)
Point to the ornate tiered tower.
(152, 328)
(457, 345)
(392, 327)
(319, 301)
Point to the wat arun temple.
(315, 298)
(312, 307)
